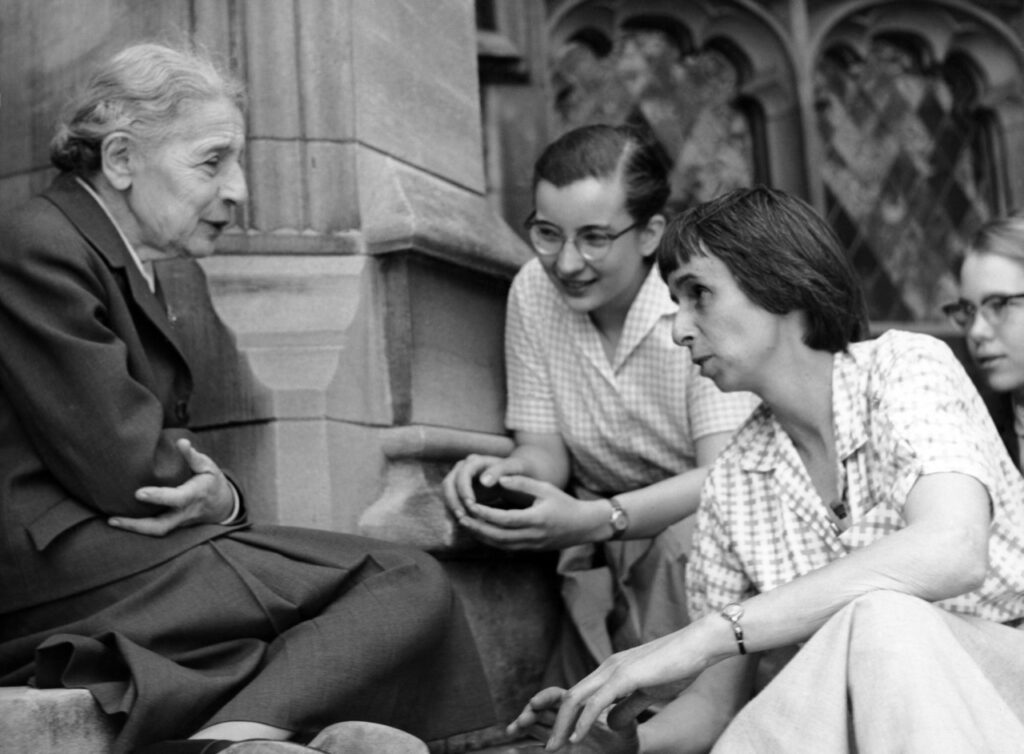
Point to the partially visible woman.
(990, 312)
(127, 566)
(867, 513)
(600, 401)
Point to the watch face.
(733, 612)
(619, 520)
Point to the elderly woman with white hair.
(127, 565)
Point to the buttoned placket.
(797, 490)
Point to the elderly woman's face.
(184, 190)
(995, 335)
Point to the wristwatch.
(732, 613)
(619, 519)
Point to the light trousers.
(618, 595)
(892, 673)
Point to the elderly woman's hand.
(206, 498)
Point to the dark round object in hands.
(497, 496)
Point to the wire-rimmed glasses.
(993, 308)
(592, 242)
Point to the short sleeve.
(714, 574)
(923, 398)
(531, 401)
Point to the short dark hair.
(783, 255)
(601, 151)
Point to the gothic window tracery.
(901, 120)
(649, 76)
(907, 173)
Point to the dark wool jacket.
(94, 390)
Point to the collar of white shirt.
(147, 274)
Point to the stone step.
(68, 721)
(52, 721)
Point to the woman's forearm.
(653, 508)
(544, 457)
(941, 555)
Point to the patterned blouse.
(903, 407)
(627, 423)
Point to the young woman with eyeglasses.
(612, 423)
(990, 312)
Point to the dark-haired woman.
(866, 512)
(600, 401)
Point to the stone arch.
(951, 30)
(739, 35)
(919, 124)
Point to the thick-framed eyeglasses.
(593, 243)
(994, 310)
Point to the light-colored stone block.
(331, 189)
(52, 721)
(409, 507)
(276, 170)
(403, 208)
(325, 69)
(214, 25)
(414, 74)
(302, 482)
(272, 71)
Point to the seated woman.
(127, 566)
(600, 401)
(867, 511)
(990, 312)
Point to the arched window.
(902, 121)
(647, 73)
(908, 169)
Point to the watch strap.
(733, 613)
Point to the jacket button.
(181, 411)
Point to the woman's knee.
(886, 618)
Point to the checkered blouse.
(629, 423)
(903, 407)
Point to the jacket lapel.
(94, 225)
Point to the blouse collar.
(147, 274)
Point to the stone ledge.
(53, 721)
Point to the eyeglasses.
(592, 243)
(994, 309)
